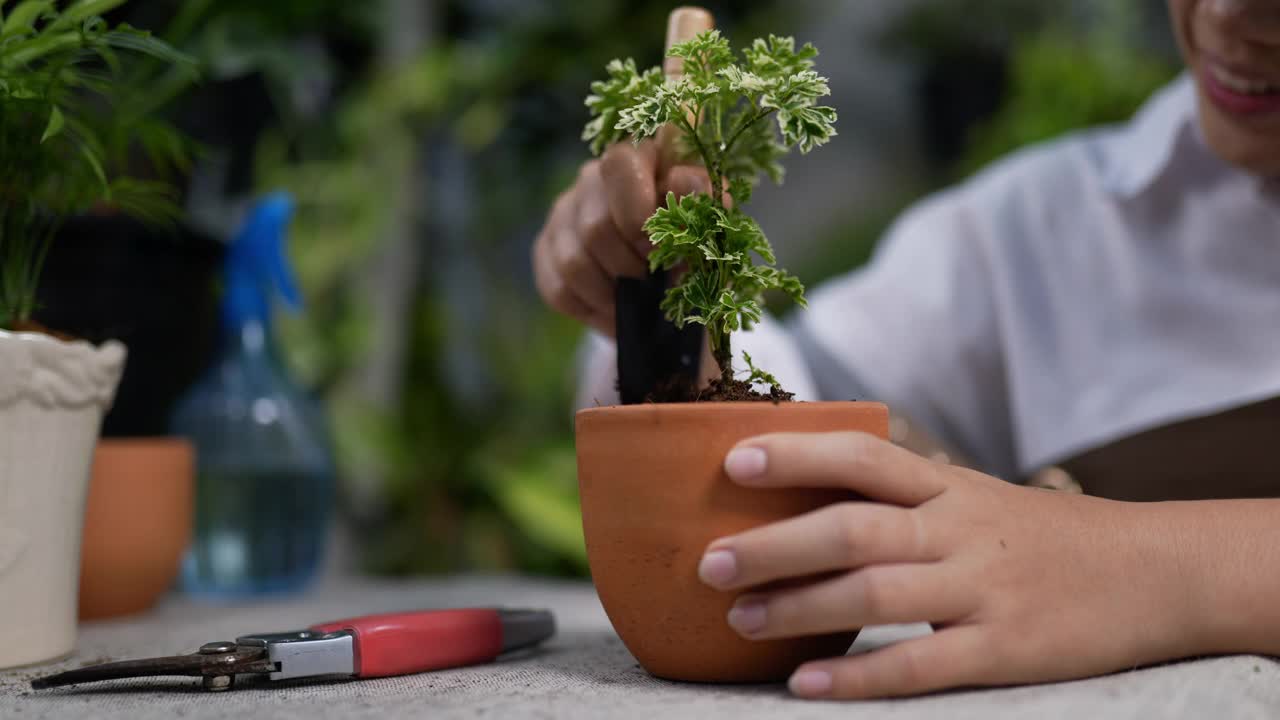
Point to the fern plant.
(62, 97)
(738, 115)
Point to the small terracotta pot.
(654, 495)
(137, 524)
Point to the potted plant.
(654, 493)
(60, 66)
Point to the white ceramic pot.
(52, 398)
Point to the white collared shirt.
(1079, 291)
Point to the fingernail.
(747, 616)
(810, 683)
(744, 462)
(718, 568)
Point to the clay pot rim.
(145, 442)
(719, 406)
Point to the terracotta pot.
(137, 524)
(654, 495)
(52, 396)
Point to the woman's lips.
(1238, 93)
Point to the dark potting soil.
(680, 390)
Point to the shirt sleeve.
(917, 328)
(597, 372)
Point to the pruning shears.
(363, 647)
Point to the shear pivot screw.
(218, 682)
(217, 648)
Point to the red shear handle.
(413, 642)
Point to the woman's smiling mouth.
(1237, 91)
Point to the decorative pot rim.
(53, 373)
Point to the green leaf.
(25, 52)
(756, 375)
(643, 119)
(21, 20)
(678, 229)
(129, 38)
(745, 81)
(796, 91)
(624, 89)
(807, 127)
(700, 291)
(86, 9)
(738, 312)
(94, 162)
(712, 254)
(743, 234)
(778, 56)
(164, 145)
(152, 202)
(703, 56)
(56, 123)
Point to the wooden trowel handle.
(683, 24)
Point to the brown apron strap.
(1231, 454)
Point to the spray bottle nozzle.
(257, 264)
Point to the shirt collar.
(1144, 149)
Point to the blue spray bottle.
(265, 472)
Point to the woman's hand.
(594, 233)
(1021, 585)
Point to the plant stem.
(708, 160)
(722, 351)
(744, 127)
(713, 162)
(725, 359)
(721, 347)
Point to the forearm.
(1228, 555)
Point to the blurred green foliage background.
(424, 141)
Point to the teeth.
(1240, 84)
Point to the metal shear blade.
(217, 663)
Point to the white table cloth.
(585, 672)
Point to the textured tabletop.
(584, 673)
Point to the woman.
(1109, 304)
